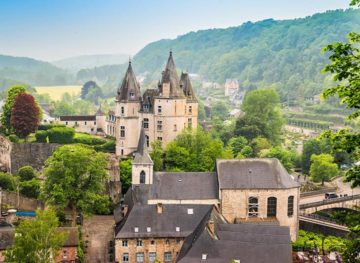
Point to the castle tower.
(127, 114)
(142, 166)
(192, 108)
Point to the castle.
(163, 112)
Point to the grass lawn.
(56, 92)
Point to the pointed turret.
(186, 86)
(142, 155)
(129, 90)
(171, 77)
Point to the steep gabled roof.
(129, 90)
(170, 75)
(186, 86)
(142, 156)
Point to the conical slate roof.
(170, 76)
(142, 155)
(186, 86)
(129, 90)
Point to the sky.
(56, 29)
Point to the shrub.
(108, 147)
(61, 135)
(30, 188)
(26, 173)
(45, 127)
(13, 138)
(88, 139)
(8, 181)
(41, 136)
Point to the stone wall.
(12, 200)
(15, 155)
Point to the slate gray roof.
(162, 224)
(78, 118)
(129, 85)
(142, 156)
(170, 75)
(264, 173)
(184, 185)
(186, 86)
(247, 243)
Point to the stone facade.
(159, 246)
(91, 124)
(235, 206)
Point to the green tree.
(236, 144)
(8, 105)
(311, 146)
(75, 178)
(125, 174)
(26, 173)
(8, 182)
(37, 241)
(284, 156)
(220, 110)
(259, 144)
(177, 157)
(157, 155)
(30, 188)
(246, 152)
(323, 168)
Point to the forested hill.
(284, 54)
(31, 71)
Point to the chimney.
(211, 226)
(125, 209)
(159, 207)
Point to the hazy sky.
(54, 29)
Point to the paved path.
(98, 231)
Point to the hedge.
(61, 135)
(88, 139)
(45, 127)
(13, 138)
(106, 147)
(41, 136)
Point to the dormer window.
(132, 94)
(190, 211)
(136, 229)
(177, 229)
(148, 229)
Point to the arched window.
(142, 177)
(147, 141)
(271, 207)
(290, 205)
(253, 207)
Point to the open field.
(56, 92)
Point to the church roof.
(142, 156)
(253, 173)
(129, 90)
(186, 86)
(170, 75)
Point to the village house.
(163, 112)
(231, 87)
(243, 191)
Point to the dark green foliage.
(282, 155)
(45, 127)
(41, 136)
(88, 139)
(157, 155)
(30, 188)
(8, 181)
(62, 135)
(237, 144)
(219, 110)
(125, 174)
(311, 146)
(26, 173)
(13, 138)
(108, 147)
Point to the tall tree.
(323, 168)
(157, 155)
(125, 174)
(75, 178)
(8, 105)
(25, 115)
(37, 241)
(311, 146)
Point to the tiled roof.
(170, 75)
(264, 173)
(78, 118)
(186, 86)
(150, 223)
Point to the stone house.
(231, 87)
(163, 112)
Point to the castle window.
(85, 123)
(167, 257)
(125, 257)
(175, 127)
(167, 242)
(138, 242)
(142, 177)
(76, 123)
(94, 122)
(146, 123)
(122, 152)
(152, 256)
(190, 123)
(147, 141)
(290, 205)
(65, 254)
(125, 243)
(66, 123)
(159, 110)
(271, 206)
(159, 138)
(152, 242)
(140, 257)
(122, 131)
(159, 125)
(190, 109)
(122, 110)
(253, 207)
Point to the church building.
(163, 112)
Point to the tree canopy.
(323, 168)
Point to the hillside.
(90, 61)
(283, 54)
(30, 71)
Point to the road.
(343, 188)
